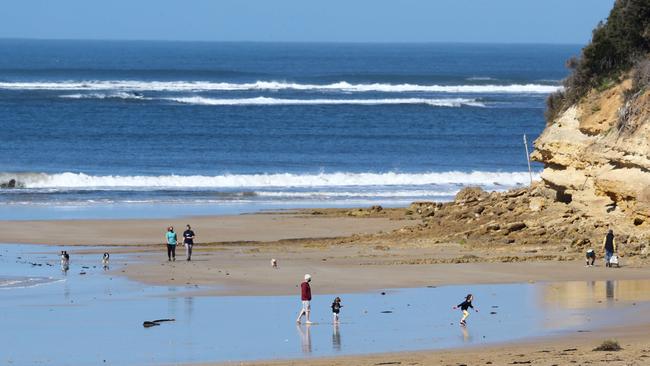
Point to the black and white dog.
(65, 259)
(105, 260)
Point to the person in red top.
(305, 291)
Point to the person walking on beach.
(171, 244)
(305, 296)
(188, 240)
(609, 247)
(464, 306)
(336, 309)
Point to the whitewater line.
(343, 86)
(341, 179)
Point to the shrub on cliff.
(616, 45)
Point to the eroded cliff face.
(597, 157)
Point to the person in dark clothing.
(464, 306)
(305, 296)
(609, 247)
(591, 257)
(188, 240)
(336, 309)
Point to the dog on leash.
(65, 259)
(105, 259)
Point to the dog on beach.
(274, 263)
(105, 259)
(65, 259)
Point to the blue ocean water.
(86, 123)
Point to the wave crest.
(340, 179)
(342, 86)
(457, 102)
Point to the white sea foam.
(341, 179)
(360, 194)
(457, 102)
(343, 86)
(116, 95)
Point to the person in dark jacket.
(336, 309)
(305, 296)
(188, 241)
(464, 306)
(609, 247)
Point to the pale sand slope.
(260, 227)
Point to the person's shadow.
(336, 338)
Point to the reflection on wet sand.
(590, 294)
(466, 336)
(336, 338)
(305, 338)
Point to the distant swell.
(340, 179)
(458, 102)
(343, 86)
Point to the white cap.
(307, 277)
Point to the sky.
(486, 21)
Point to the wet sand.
(568, 350)
(246, 270)
(237, 262)
(254, 227)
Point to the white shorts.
(306, 306)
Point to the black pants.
(171, 251)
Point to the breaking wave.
(458, 102)
(69, 180)
(117, 95)
(343, 86)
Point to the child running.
(336, 309)
(464, 306)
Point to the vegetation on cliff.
(619, 45)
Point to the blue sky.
(509, 21)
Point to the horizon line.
(287, 42)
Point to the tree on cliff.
(617, 45)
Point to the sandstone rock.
(423, 208)
(470, 194)
(536, 204)
(515, 226)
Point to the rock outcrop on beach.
(596, 146)
(596, 156)
(595, 150)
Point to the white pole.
(530, 173)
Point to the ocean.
(237, 127)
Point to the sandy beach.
(234, 228)
(348, 254)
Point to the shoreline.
(576, 348)
(368, 253)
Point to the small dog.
(105, 260)
(65, 259)
(274, 263)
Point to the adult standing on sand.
(609, 247)
(188, 240)
(171, 244)
(305, 296)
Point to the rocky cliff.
(596, 156)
